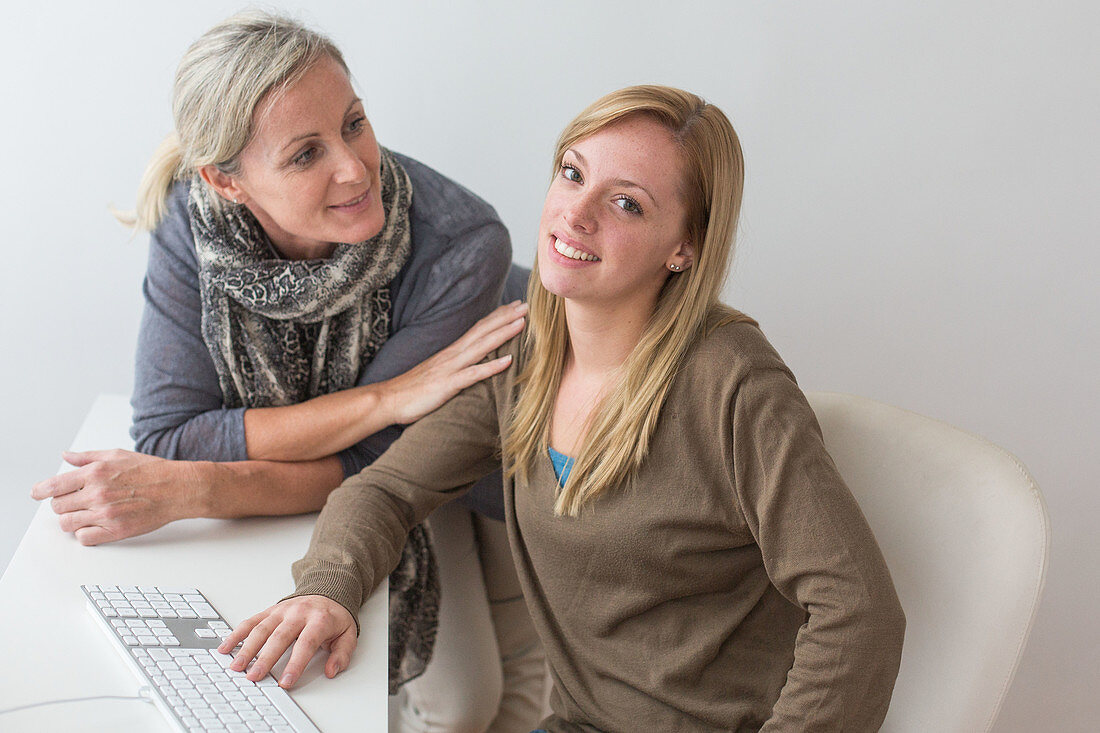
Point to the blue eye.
(628, 204)
(357, 124)
(570, 173)
(305, 157)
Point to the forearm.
(316, 428)
(252, 488)
(356, 542)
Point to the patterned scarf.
(284, 331)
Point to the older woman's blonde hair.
(621, 426)
(219, 83)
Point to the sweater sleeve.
(177, 401)
(820, 554)
(359, 534)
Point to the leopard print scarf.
(284, 331)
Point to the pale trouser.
(487, 671)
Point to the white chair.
(965, 533)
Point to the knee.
(466, 704)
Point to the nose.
(350, 168)
(580, 215)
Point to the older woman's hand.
(308, 622)
(115, 494)
(428, 385)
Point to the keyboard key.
(166, 590)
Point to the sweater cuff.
(333, 583)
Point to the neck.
(294, 251)
(602, 338)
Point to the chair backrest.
(965, 533)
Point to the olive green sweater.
(732, 585)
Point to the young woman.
(300, 279)
(690, 555)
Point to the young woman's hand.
(308, 622)
(114, 494)
(427, 386)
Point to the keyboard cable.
(145, 694)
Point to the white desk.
(51, 649)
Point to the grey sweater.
(456, 273)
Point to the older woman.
(692, 559)
(300, 279)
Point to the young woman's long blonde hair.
(623, 423)
(219, 82)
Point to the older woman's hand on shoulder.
(114, 494)
(427, 386)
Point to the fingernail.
(286, 681)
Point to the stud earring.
(674, 268)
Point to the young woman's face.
(310, 174)
(614, 217)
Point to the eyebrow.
(303, 136)
(618, 181)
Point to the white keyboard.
(169, 638)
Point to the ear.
(682, 258)
(225, 184)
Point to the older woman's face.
(614, 217)
(310, 174)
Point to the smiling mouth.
(353, 202)
(574, 254)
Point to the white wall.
(919, 221)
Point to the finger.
(478, 348)
(483, 370)
(72, 502)
(94, 535)
(83, 458)
(340, 653)
(72, 521)
(253, 642)
(304, 649)
(244, 628)
(274, 648)
(500, 316)
(63, 483)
